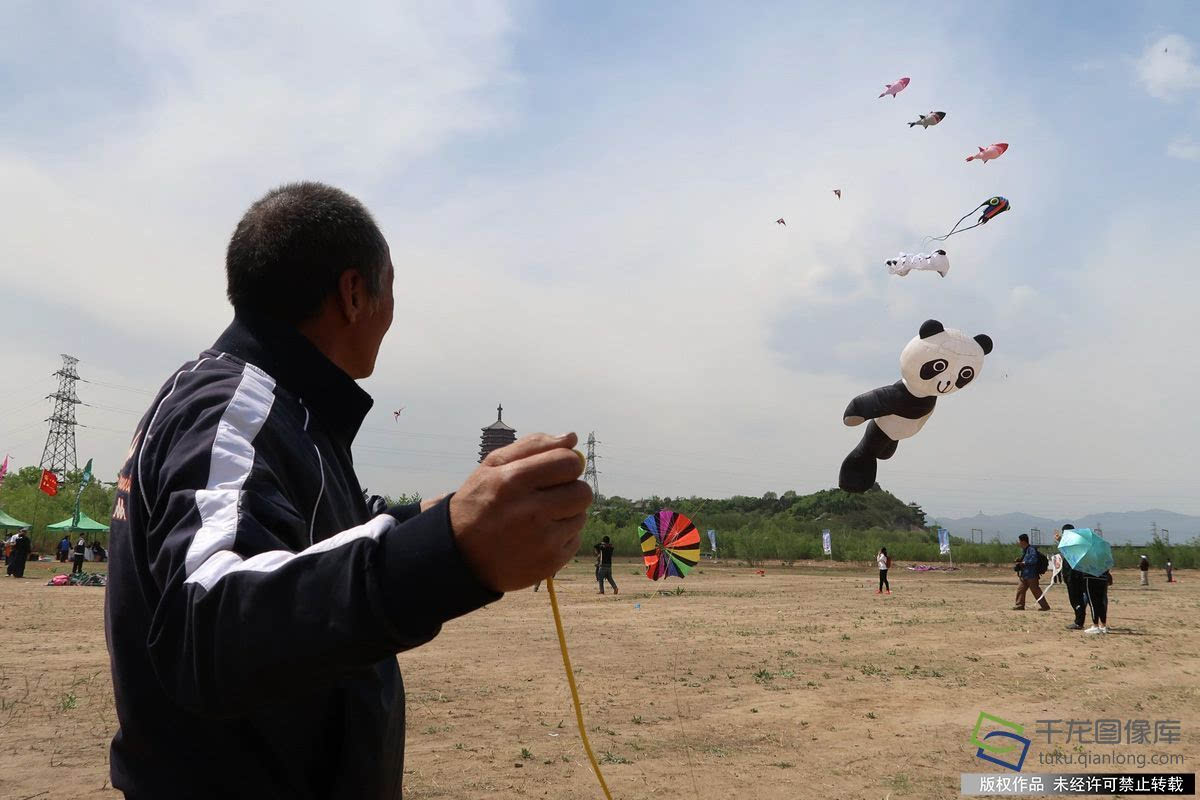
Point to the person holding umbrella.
(1090, 555)
(1076, 594)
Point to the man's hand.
(518, 518)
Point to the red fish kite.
(895, 88)
(986, 154)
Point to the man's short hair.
(1024, 537)
(291, 247)
(1068, 527)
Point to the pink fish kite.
(895, 88)
(986, 154)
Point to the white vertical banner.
(712, 539)
(944, 541)
(826, 543)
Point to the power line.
(118, 386)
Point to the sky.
(580, 201)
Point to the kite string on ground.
(562, 646)
(683, 737)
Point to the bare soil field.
(798, 683)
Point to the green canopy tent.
(9, 524)
(86, 524)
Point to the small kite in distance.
(781, 222)
(986, 154)
(930, 119)
(895, 88)
(838, 192)
(396, 413)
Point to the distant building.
(496, 435)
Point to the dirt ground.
(800, 683)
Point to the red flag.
(49, 483)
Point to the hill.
(1119, 526)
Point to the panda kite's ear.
(985, 342)
(931, 327)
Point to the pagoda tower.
(496, 435)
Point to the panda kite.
(938, 361)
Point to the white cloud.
(237, 101)
(1166, 68)
(1184, 147)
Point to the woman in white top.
(884, 561)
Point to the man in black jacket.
(255, 602)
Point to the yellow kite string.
(562, 645)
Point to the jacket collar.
(298, 366)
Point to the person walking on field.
(1144, 566)
(256, 600)
(1170, 569)
(604, 554)
(64, 547)
(885, 563)
(1076, 591)
(1027, 568)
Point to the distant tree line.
(788, 527)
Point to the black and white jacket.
(254, 605)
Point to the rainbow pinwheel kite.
(670, 544)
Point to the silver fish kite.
(926, 120)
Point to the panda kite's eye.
(935, 367)
(965, 375)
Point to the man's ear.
(352, 295)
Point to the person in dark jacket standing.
(1027, 569)
(80, 547)
(1076, 593)
(255, 601)
(21, 548)
(604, 554)
(1144, 566)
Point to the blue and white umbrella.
(1086, 551)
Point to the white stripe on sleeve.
(230, 464)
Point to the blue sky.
(580, 201)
